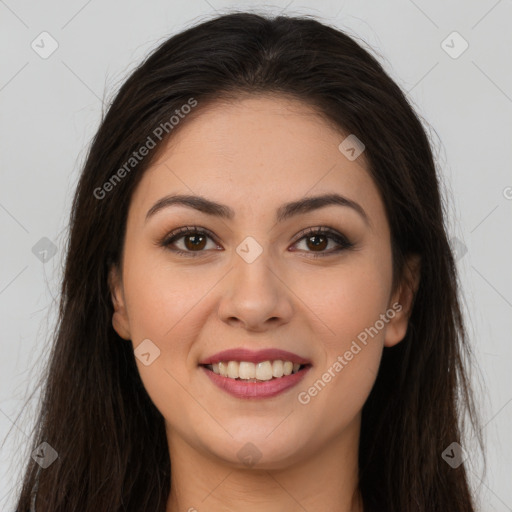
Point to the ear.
(120, 316)
(402, 301)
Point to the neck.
(324, 480)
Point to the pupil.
(322, 244)
(195, 244)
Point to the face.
(313, 280)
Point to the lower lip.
(264, 389)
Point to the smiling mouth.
(255, 372)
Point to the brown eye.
(189, 241)
(195, 241)
(317, 240)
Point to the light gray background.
(51, 109)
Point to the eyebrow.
(286, 211)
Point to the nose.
(256, 296)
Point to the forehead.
(261, 150)
(258, 129)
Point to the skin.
(253, 155)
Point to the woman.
(259, 306)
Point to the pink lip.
(266, 389)
(242, 354)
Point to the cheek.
(160, 307)
(162, 303)
(347, 300)
(349, 303)
(159, 298)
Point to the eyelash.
(331, 234)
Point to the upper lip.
(252, 356)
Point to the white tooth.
(287, 367)
(247, 370)
(277, 368)
(264, 370)
(233, 369)
(223, 369)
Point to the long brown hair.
(94, 410)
